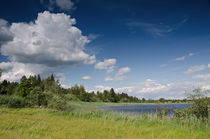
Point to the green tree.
(106, 96)
(162, 100)
(113, 96)
(4, 87)
(24, 87)
(143, 100)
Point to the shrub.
(16, 102)
(201, 103)
(71, 97)
(182, 114)
(200, 106)
(57, 102)
(12, 101)
(162, 113)
(37, 97)
(4, 99)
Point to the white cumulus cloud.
(51, 42)
(119, 75)
(5, 33)
(101, 88)
(109, 78)
(107, 64)
(86, 77)
(122, 71)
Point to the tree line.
(34, 91)
(34, 86)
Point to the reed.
(87, 121)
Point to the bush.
(71, 97)
(200, 106)
(201, 103)
(16, 102)
(61, 104)
(12, 101)
(4, 99)
(36, 97)
(161, 113)
(57, 102)
(182, 114)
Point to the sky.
(146, 48)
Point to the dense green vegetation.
(42, 92)
(53, 111)
(200, 109)
(86, 121)
(33, 91)
(36, 92)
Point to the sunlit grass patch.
(49, 123)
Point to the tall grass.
(87, 121)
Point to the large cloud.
(51, 43)
(5, 33)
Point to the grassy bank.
(86, 121)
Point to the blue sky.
(146, 48)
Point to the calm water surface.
(147, 108)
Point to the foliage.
(161, 113)
(36, 97)
(49, 93)
(27, 88)
(12, 101)
(182, 114)
(162, 100)
(16, 102)
(4, 99)
(200, 106)
(7, 87)
(24, 87)
(58, 103)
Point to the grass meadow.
(87, 121)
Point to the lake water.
(147, 108)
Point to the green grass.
(87, 121)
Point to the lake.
(146, 108)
